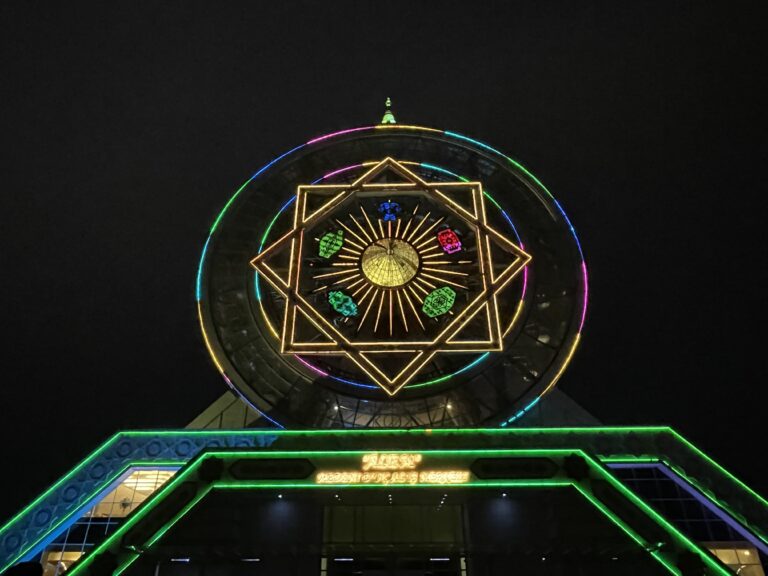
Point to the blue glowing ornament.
(389, 210)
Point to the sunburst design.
(400, 270)
(388, 270)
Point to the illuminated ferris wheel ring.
(389, 284)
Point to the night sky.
(127, 126)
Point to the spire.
(388, 118)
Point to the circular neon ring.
(444, 378)
(585, 281)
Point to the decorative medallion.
(390, 271)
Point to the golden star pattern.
(393, 296)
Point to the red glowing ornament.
(449, 241)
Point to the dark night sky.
(126, 126)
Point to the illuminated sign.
(376, 461)
(388, 469)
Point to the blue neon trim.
(283, 155)
(522, 412)
(443, 170)
(473, 141)
(199, 282)
(524, 169)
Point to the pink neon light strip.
(586, 292)
(341, 170)
(310, 366)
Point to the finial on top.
(389, 117)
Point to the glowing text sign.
(377, 468)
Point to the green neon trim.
(630, 495)
(626, 529)
(143, 510)
(160, 533)
(236, 194)
(89, 501)
(179, 516)
(347, 453)
(140, 512)
(479, 433)
(413, 432)
(195, 462)
(227, 205)
(112, 480)
(406, 432)
(510, 484)
(493, 200)
(269, 228)
(694, 485)
(722, 470)
(63, 479)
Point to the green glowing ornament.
(439, 301)
(389, 117)
(342, 303)
(330, 243)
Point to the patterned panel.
(24, 534)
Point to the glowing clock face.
(390, 271)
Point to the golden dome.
(390, 263)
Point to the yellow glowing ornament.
(390, 262)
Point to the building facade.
(391, 308)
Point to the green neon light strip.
(89, 500)
(694, 484)
(136, 433)
(631, 533)
(183, 512)
(722, 470)
(640, 503)
(131, 559)
(166, 489)
(61, 481)
(413, 433)
(594, 465)
(139, 513)
(428, 452)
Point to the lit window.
(742, 560)
(57, 562)
(130, 493)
